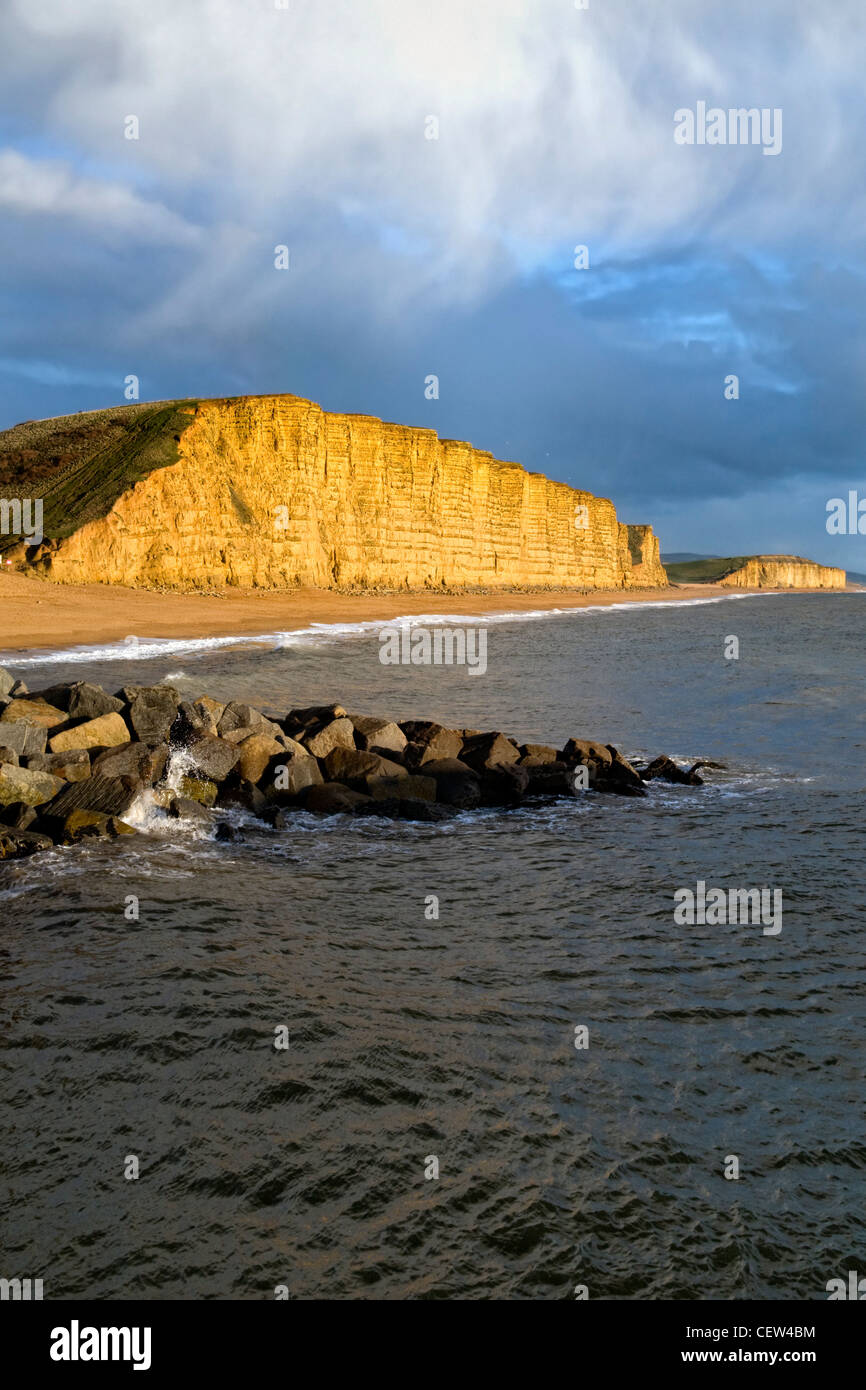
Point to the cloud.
(51, 189)
(306, 127)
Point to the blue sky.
(305, 127)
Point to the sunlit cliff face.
(272, 491)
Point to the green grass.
(704, 571)
(80, 464)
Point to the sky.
(307, 125)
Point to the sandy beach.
(36, 613)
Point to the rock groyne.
(75, 760)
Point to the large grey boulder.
(73, 766)
(86, 701)
(152, 711)
(23, 739)
(237, 715)
(136, 760)
(289, 776)
(212, 758)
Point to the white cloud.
(556, 125)
(51, 189)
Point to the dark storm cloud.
(261, 127)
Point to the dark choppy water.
(454, 1038)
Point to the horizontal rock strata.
(784, 572)
(272, 492)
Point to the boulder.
(86, 701)
(256, 753)
(456, 784)
(434, 741)
(199, 789)
(412, 787)
(112, 796)
(361, 771)
(152, 711)
(585, 750)
(31, 788)
(73, 766)
(206, 705)
(18, 816)
(193, 720)
(81, 824)
(7, 680)
(374, 734)
(313, 715)
(107, 731)
(504, 785)
(23, 739)
(620, 770)
(487, 751)
(239, 716)
(331, 798)
(668, 771)
(211, 758)
(136, 760)
(35, 713)
(233, 736)
(224, 831)
(8, 755)
(290, 776)
(322, 740)
(15, 844)
(238, 792)
(555, 779)
(537, 754)
(187, 808)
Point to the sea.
(366, 1059)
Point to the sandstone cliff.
(783, 572)
(272, 491)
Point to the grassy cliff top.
(80, 464)
(711, 570)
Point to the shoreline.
(96, 614)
